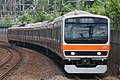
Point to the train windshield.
(86, 30)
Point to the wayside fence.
(114, 56)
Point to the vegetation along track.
(14, 58)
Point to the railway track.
(8, 52)
(9, 67)
(15, 56)
(86, 77)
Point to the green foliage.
(40, 16)
(43, 16)
(110, 8)
(7, 19)
(25, 19)
(97, 8)
(67, 8)
(113, 11)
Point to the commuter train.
(79, 40)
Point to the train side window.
(10, 31)
(37, 32)
(57, 33)
(40, 32)
(17, 32)
(32, 33)
(29, 33)
(51, 31)
(25, 32)
(48, 32)
(21, 32)
(43, 32)
(13, 32)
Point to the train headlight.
(99, 53)
(72, 53)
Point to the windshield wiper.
(101, 33)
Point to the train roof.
(76, 12)
(32, 25)
(45, 23)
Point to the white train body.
(80, 39)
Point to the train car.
(80, 40)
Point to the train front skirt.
(73, 69)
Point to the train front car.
(86, 42)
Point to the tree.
(112, 9)
(97, 8)
(25, 19)
(7, 20)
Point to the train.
(79, 40)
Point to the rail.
(86, 77)
(9, 64)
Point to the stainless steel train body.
(79, 38)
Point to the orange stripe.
(85, 47)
